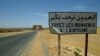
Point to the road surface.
(14, 45)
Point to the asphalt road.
(14, 45)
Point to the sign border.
(71, 12)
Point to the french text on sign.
(72, 22)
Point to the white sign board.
(73, 22)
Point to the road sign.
(73, 22)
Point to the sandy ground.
(13, 33)
(45, 44)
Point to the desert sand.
(45, 44)
(13, 33)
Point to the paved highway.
(14, 45)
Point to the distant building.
(37, 27)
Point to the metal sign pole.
(59, 44)
(86, 45)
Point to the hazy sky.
(25, 13)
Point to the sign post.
(86, 45)
(59, 46)
(73, 23)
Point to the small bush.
(76, 53)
